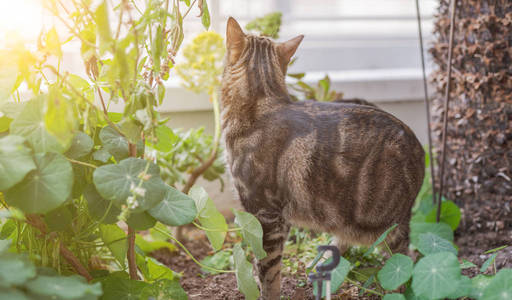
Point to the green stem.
(363, 288)
(217, 230)
(82, 163)
(190, 254)
(387, 248)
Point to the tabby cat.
(347, 169)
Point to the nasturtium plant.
(251, 231)
(430, 243)
(450, 214)
(133, 182)
(396, 271)
(45, 188)
(31, 125)
(15, 161)
(175, 209)
(436, 276)
(209, 217)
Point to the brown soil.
(223, 286)
(484, 226)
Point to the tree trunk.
(479, 134)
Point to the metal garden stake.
(323, 271)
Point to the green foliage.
(268, 25)
(115, 239)
(396, 271)
(71, 287)
(209, 217)
(45, 188)
(30, 124)
(175, 209)
(322, 92)
(203, 65)
(499, 287)
(252, 232)
(15, 161)
(133, 182)
(19, 280)
(184, 152)
(436, 276)
(450, 214)
(221, 260)
(245, 281)
(394, 296)
(430, 243)
(379, 240)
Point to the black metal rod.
(427, 103)
(445, 111)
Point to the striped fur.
(351, 170)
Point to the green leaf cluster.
(20, 279)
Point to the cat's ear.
(288, 48)
(235, 40)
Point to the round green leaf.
(394, 296)
(71, 287)
(114, 142)
(99, 207)
(30, 124)
(500, 287)
(436, 276)
(117, 288)
(396, 271)
(165, 289)
(81, 145)
(101, 155)
(15, 161)
(464, 288)
(45, 188)
(441, 229)
(450, 214)
(59, 219)
(430, 243)
(175, 209)
(133, 177)
(12, 294)
(115, 239)
(15, 270)
(252, 232)
(479, 283)
(141, 221)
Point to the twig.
(132, 266)
(36, 222)
(82, 163)
(189, 9)
(445, 109)
(198, 171)
(427, 103)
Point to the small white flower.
(132, 202)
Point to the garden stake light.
(324, 271)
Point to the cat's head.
(257, 53)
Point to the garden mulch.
(485, 225)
